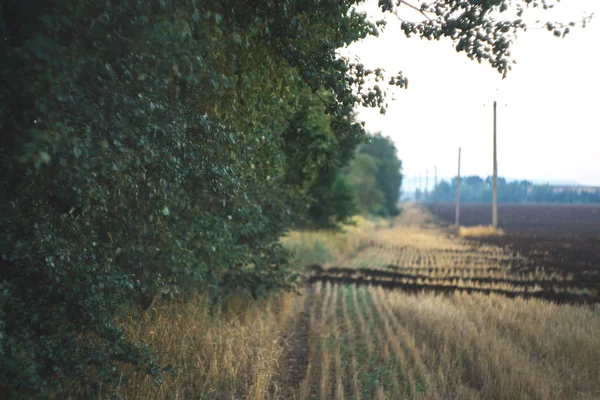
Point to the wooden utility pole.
(458, 192)
(427, 183)
(435, 188)
(495, 180)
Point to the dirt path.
(295, 362)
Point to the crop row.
(496, 280)
(448, 288)
(371, 343)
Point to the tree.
(445, 191)
(483, 30)
(316, 150)
(363, 173)
(388, 178)
(343, 199)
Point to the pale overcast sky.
(549, 129)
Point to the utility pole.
(435, 188)
(495, 180)
(427, 183)
(458, 192)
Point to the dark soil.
(547, 284)
(551, 295)
(578, 219)
(562, 239)
(448, 270)
(567, 255)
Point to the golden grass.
(391, 346)
(328, 247)
(479, 231)
(305, 389)
(230, 354)
(505, 349)
(457, 347)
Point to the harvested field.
(371, 343)
(557, 291)
(560, 239)
(416, 312)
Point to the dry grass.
(502, 348)
(327, 247)
(479, 231)
(226, 355)
(459, 347)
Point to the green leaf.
(196, 16)
(44, 157)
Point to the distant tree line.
(474, 189)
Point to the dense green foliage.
(162, 147)
(362, 172)
(376, 173)
(474, 189)
(147, 150)
(316, 149)
(388, 178)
